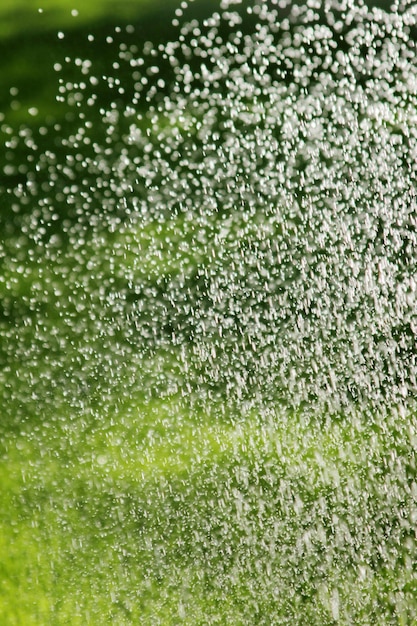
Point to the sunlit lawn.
(146, 513)
(119, 506)
(158, 511)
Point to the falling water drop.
(209, 272)
(268, 180)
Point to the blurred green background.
(123, 505)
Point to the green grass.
(153, 512)
(124, 505)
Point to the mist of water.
(259, 172)
(231, 220)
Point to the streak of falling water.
(230, 220)
(260, 173)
